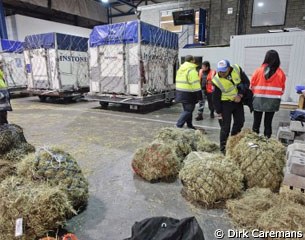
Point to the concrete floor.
(103, 142)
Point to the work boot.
(199, 117)
(212, 115)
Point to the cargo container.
(11, 53)
(56, 65)
(132, 63)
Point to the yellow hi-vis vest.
(228, 89)
(187, 79)
(2, 82)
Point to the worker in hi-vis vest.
(188, 91)
(4, 97)
(231, 84)
(268, 85)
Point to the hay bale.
(234, 140)
(11, 136)
(58, 168)
(285, 216)
(252, 204)
(183, 141)
(156, 161)
(6, 169)
(209, 179)
(261, 160)
(41, 207)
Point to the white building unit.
(132, 63)
(249, 51)
(56, 65)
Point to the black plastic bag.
(165, 228)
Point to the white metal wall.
(213, 54)
(249, 51)
(19, 26)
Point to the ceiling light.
(104, 1)
(260, 4)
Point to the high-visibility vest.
(268, 88)
(187, 78)
(209, 85)
(2, 82)
(228, 88)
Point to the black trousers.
(3, 117)
(210, 102)
(267, 122)
(230, 109)
(187, 115)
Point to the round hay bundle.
(58, 168)
(246, 210)
(202, 144)
(183, 141)
(208, 179)
(156, 161)
(261, 160)
(286, 216)
(11, 136)
(180, 140)
(41, 207)
(234, 140)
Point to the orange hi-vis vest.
(209, 84)
(272, 88)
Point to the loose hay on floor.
(285, 216)
(259, 208)
(209, 179)
(261, 160)
(58, 168)
(246, 210)
(41, 206)
(156, 161)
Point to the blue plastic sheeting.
(127, 32)
(64, 42)
(11, 46)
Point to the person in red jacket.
(206, 75)
(267, 85)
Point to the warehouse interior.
(91, 147)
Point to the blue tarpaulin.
(11, 46)
(64, 42)
(128, 32)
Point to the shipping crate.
(14, 69)
(56, 65)
(132, 63)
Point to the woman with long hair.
(268, 85)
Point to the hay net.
(156, 161)
(184, 141)
(261, 160)
(209, 178)
(57, 168)
(11, 136)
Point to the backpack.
(165, 228)
(298, 115)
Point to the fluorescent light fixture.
(260, 4)
(104, 1)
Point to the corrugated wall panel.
(290, 45)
